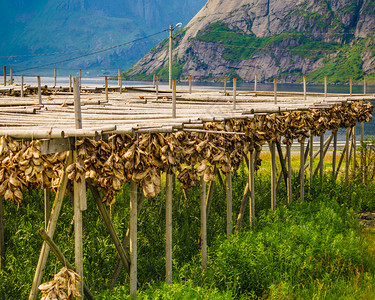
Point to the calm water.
(241, 86)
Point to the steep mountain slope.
(44, 26)
(280, 38)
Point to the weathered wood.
(2, 243)
(5, 75)
(111, 229)
(354, 143)
(48, 146)
(321, 156)
(11, 75)
(229, 203)
(133, 239)
(106, 87)
(47, 208)
(77, 103)
(347, 163)
(210, 194)
(62, 259)
(80, 78)
(39, 91)
(284, 170)
(190, 86)
(174, 98)
(302, 164)
(289, 177)
(273, 175)
(203, 224)
(78, 232)
(168, 230)
(341, 160)
(55, 212)
(157, 87)
(334, 154)
(55, 77)
(22, 92)
(120, 80)
(275, 90)
(70, 83)
(304, 88)
(234, 93)
(251, 186)
(255, 82)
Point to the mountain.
(69, 26)
(280, 38)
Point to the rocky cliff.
(278, 38)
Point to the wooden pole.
(174, 98)
(22, 92)
(106, 87)
(321, 156)
(225, 85)
(229, 203)
(168, 230)
(11, 75)
(2, 244)
(347, 163)
(325, 86)
(302, 163)
(50, 230)
(80, 78)
(60, 256)
(70, 83)
(120, 80)
(351, 86)
(157, 87)
(364, 85)
(77, 103)
(234, 92)
(273, 175)
(55, 77)
(251, 187)
(203, 224)
(5, 75)
(304, 88)
(39, 91)
(275, 90)
(190, 86)
(255, 82)
(170, 56)
(47, 209)
(334, 154)
(311, 160)
(289, 177)
(133, 239)
(354, 139)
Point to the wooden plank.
(168, 229)
(50, 230)
(229, 203)
(60, 256)
(203, 224)
(133, 239)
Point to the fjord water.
(217, 86)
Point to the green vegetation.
(305, 250)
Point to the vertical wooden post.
(120, 80)
(133, 239)
(289, 177)
(77, 103)
(354, 139)
(351, 86)
(334, 154)
(80, 78)
(39, 91)
(70, 83)
(229, 203)
(55, 77)
(168, 230)
(190, 86)
(174, 98)
(234, 92)
(203, 225)
(11, 75)
(311, 159)
(325, 86)
(251, 187)
(255, 82)
(22, 92)
(275, 90)
(225, 85)
(5, 75)
(321, 155)
(47, 209)
(106, 87)
(302, 171)
(304, 88)
(2, 244)
(157, 87)
(347, 162)
(273, 175)
(364, 85)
